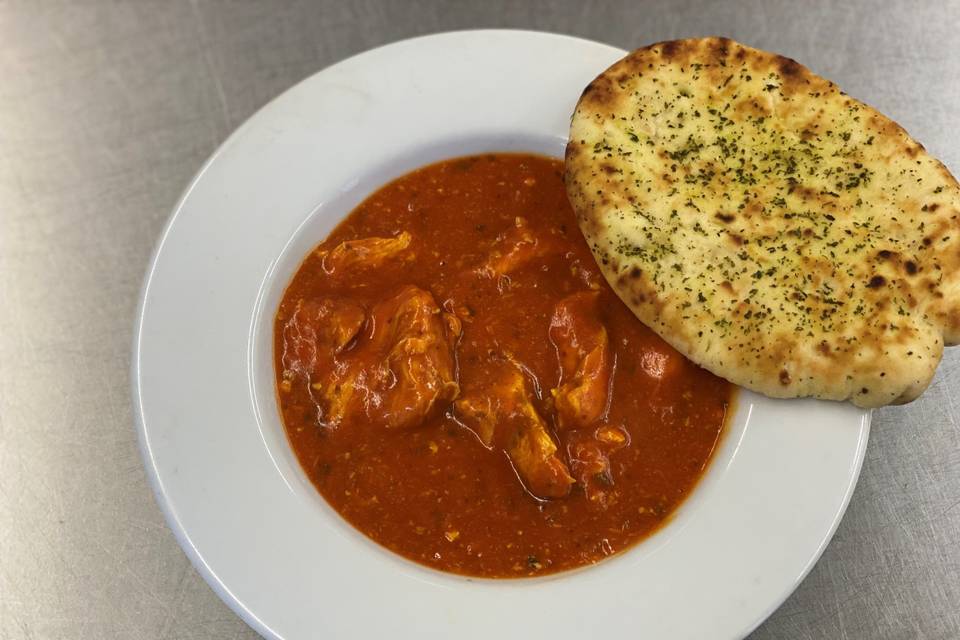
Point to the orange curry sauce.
(461, 384)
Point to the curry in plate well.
(461, 384)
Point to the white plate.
(210, 432)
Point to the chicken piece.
(590, 466)
(586, 364)
(503, 416)
(590, 461)
(534, 455)
(587, 274)
(318, 329)
(419, 340)
(479, 412)
(517, 248)
(404, 371)
(661, 361)
(366, 253)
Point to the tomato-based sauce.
(461, 385)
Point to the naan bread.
(772, 229)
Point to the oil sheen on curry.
(463, 387)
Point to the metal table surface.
(106, 111)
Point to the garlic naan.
(771, 228)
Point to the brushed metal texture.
(106, 111)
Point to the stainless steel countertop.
(107, 110)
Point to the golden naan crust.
(771, 228)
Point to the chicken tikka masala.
(461, 384)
